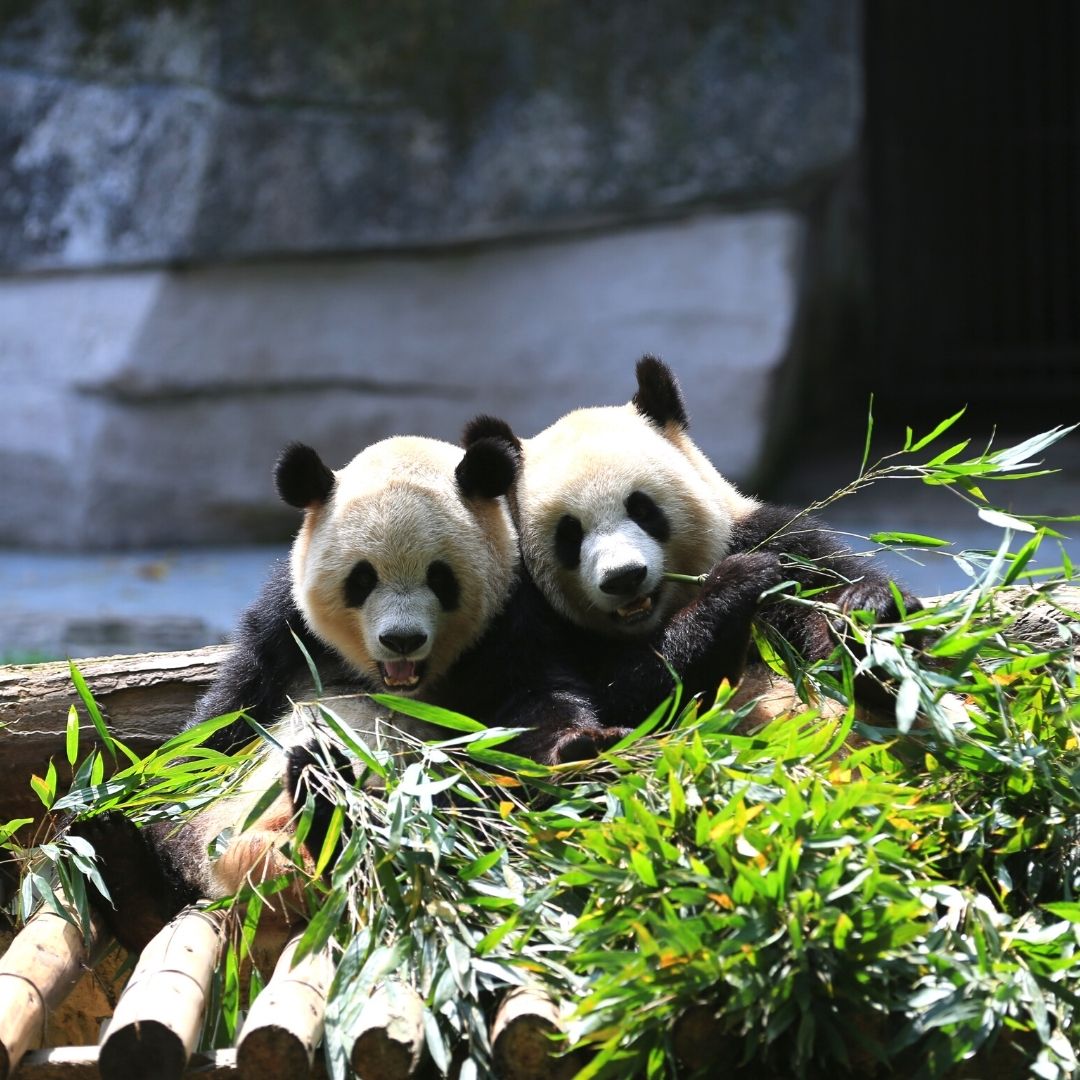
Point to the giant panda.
(405, 573)
(610, 499)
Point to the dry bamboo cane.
(521, 1038)
(286, 1021)
(40, 968)
(157, 1019)
(389, 1043)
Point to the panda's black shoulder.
(778, 526)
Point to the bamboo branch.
(389, 1044)
(157, 1020)
(286, 1021)
(40, 968)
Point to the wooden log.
(157, 1019)
(389, 1044)
(696, 1037)
(150, 696)
(285, 1024)
(82, 1063)
(523, 1039)
(40, 968)
(145, 698)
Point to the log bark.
(158, 1018)
(145, 698)
(285, 1024)
(41, 966)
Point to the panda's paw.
(877, 598)
(579, 742)
(587, 743)
(743, 577)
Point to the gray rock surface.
(152, 404)
(135, 133)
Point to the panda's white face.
(606, 504)
(397, 571)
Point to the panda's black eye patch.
(568, 537)
(646, 514)
(358, 585)
(443, 582)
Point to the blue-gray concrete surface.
(56, 606)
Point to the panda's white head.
(611, 498)
(405, 555)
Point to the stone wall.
(225, 224)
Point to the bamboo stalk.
(286, 1021)
(389, 1044)
(522, 1040)
(40, 968)
(696, 1036)
(157, 1020)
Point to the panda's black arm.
(263, 662)
(702, 644)
(853, 583)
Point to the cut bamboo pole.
(157, 1019)
(696, 1036)
(40, 968)
(286, 1021)
(521, 1038)
(389, 1044)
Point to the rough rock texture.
(200, 129)
(225, 224)
(154, 403)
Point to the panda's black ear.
(489, 427)
(301, 477)
(658, 396)
(488, 468)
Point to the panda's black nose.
(403, 644)
(623, 581)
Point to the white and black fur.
(405, 576)
(610, 499)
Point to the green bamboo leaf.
(869, 433)
(481, 865)
(312, 669)
(329, 844)
(432, 714)
(940, 429)
(71, 740)
(92, 708)
(1022, 558)
(905, 539)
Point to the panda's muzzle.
(625, 582)
(402, 674)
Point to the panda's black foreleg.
(708, 641)
(563, 723)
(305, 763)
(822, 561)
(146, 891)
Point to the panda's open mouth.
(401, 674)
(637, 610)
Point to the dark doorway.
(972, 152)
